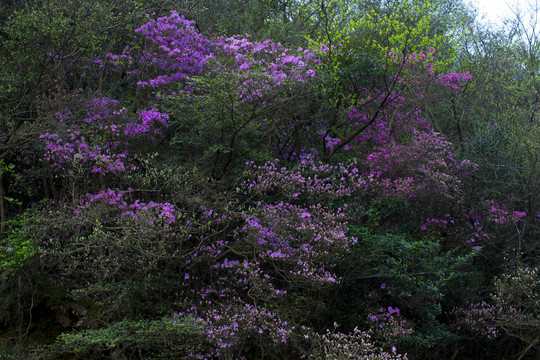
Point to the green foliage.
(408, 28)
(334, 23)
(163, 338)
(419, 278)
(19, 244)
(399, 27)
(217, 130)
(496, 120)
(220, 128)
(47, 38)
(107, 276)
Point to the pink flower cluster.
(357, 345)
(99, 141)
(428, 161)
(276, 62)
(299, 240)
(148, 121)
(104, 159)
(479, 317)
(500, 216)
(311, 178)
(173, 49)
(226, 325)
(389, 324)
(149, 213)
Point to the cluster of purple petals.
(99, 140)
(172, 45)
(299, 240)
(324, 181)
(149, 213)
(356, 345)
(389, 323)
(173, 49)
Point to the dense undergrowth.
(359, 187)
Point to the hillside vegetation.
(268, 179)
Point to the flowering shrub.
(361, 192)
(300, 245)
(148, 213)
(388, 323)
(228, 325)
(98, 140)
(514, 310)
(175, 48)
(335, 345)
(322, 181)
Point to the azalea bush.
(232, 204)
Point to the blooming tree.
(198, 205)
